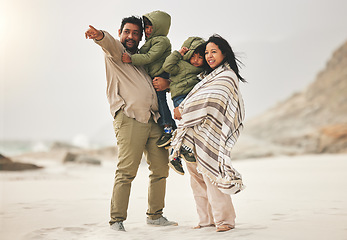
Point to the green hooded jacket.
(183, 75)
(157, 47)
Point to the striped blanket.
(212, 115)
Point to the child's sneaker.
(165, 139)
(176, 165)
(187, 154)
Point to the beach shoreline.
(297, 197)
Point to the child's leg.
(165, 119)
(178, 99)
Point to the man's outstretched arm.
(93, 33)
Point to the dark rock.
(80, 158)
(6, 164)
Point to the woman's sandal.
(224, 228)
(199, 226)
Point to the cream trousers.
(213, 206)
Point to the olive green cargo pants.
(133, 139)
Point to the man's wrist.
(102, 37)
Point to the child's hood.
(161, 22)
(191, 43)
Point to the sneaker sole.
(173, 168)
(156, 225)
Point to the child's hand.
(183, 51)
(126, 58)
(177, 114)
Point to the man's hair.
(134, 20)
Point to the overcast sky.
(53, 79)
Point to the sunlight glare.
(2, 25)
(4, 21)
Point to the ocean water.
(12, 148)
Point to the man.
(134, 106)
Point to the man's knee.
(159, 171)
(124, 176)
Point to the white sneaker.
(162, 221)
(118, 226)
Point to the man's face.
(130, 36)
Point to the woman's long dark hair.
(229, 55)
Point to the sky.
(53, 84)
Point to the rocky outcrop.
(6, 164)
(312, 121)
(333, 139)
(81, 159)
(90, 156)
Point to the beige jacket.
(128, 87)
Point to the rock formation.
(312, 121)
(6, 164)
(81, 159)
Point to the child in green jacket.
(152, 56)
(184, 66)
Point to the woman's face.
(213, 55)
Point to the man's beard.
(130, 49)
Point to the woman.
(211, 118)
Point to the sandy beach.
(301, 197)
